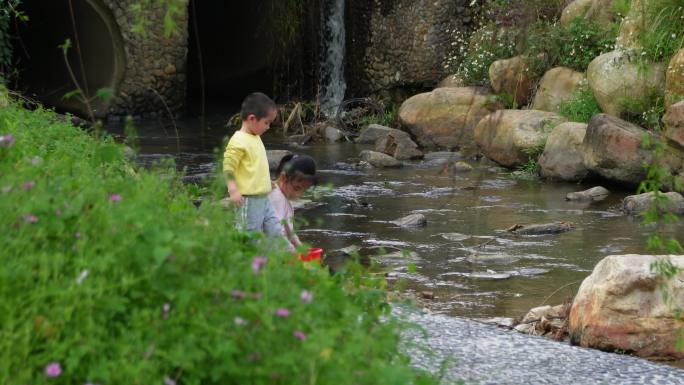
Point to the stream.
(463, 256)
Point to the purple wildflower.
(28, 185)
(237, 294)
(306, 296)
(282, 312)
(7, 140)
(77, 234)
(169, 381)
(299, 335)
(53, 369)
(258, 263)
(30, 218)
(115, 198)
(6, 189)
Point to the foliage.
(581, 107)
(486, 45)
(662, 32)
(9, 10)
(81, 94)
(574, 45)
(657, 217)
(388, 119)
(110, 275)
(652, 109)
(172, 10)
(532, 167)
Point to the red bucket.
(313, 255)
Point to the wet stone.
(593, 194)
(413, 220)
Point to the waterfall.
(332, 81)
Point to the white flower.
(82, 277)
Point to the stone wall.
(155, 64)
(402, 43)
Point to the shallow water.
(463, 255)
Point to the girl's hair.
(299, 166)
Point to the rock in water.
(378, 159)
(636, 204)
(413, 220)
(593, 194)
(541, 229)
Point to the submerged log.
(541, 229)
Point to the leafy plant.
(573, 46)
(657, 216)
(487, 45)
(661, 34)
(9, 11)
(172, 10)
(531, 168)
(646, 112)
(113, 276)
(581, 107)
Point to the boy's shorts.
(257, 214)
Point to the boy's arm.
(231, 158)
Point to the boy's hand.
(233, 192)
(236, 198)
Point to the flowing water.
(473, 267)
(333, 85)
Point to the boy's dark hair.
(298, 166)
(257, 104)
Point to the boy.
(245, 166)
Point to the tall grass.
(110, 275)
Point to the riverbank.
(111, 274)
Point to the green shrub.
(110, 275)
(581, 106)
(647, 112)
(573, 46)
(487, 45)
(663, 31)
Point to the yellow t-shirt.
(245, 158)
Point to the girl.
(295, 174)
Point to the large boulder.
(637, 204)
(511, 137)
(557, 85)
(445, 118)
(674, 79)
(619, 85)
(600, 12)
(577, 8)
(632, 26)
(379, 160)
(620, 306)
(512, 77)
(562, 158)
(451, 81)
(674, 124)
(375, 131)
(612, 148)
